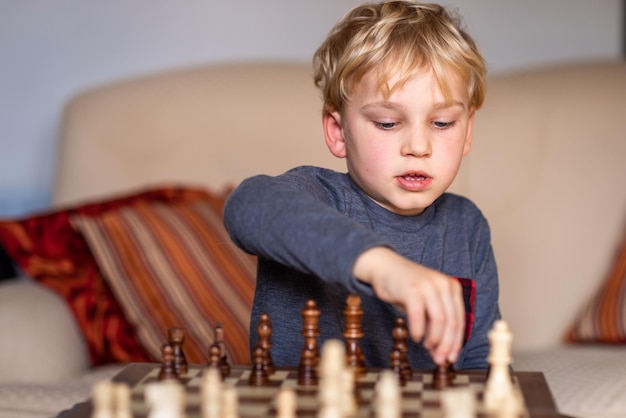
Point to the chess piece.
(499, 394)
(165, 399)
(258, 377)
(176, 338)
(168, 367)
(286, 403)
(102, 400)
(395, 360)
(388, 402)
(219, 340)
(211, 392)
(122, 398)
(215, 357)
(443, 376)
(230, 402)
(353, 334)
(336, 380)
(400, 336)
(459, 402)
(307, 369)
(264, 332)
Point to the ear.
(470, 133)
(333, 134)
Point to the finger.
(436, 319)
(460, 314)
(452, 340)
(416, 318)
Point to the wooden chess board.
(419, 398)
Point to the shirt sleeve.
(295, 219)
(487, 310)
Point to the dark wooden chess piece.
(395, 360)
(214, 357)
(353, 334)
(264, 332)
(443, 375)
(400, 336)
(309, 358)
(258, 375)
(168, 366)
(224, 365)
(176, 338)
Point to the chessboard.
(418, 396)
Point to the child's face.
(405, 150)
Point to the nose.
(416, 144)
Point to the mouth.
(414, 181)
(414, 177)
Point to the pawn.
(400, 336)
(264, 332)
(102, 400)
(219, 340)
(168, 366)
(395, 359)
(286, 403)
(176, 338)
(307, 370)
(258, 377)
(443, 375)
(214, 358)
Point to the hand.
(433, 301)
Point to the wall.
(50, 50)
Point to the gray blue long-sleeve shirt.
(309, 225)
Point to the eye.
(386, 126)
(443, 125)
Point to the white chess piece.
(499, 393)
(459, 402)
(230, 402)
(165, 399)
(102, 400)
(211, 393)
(388, 402)
(122, 399)
(286, 402)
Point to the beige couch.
(547, 169)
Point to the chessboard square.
(256, 393)
(369, 377)
(280, 375)
(253, 409)
(431, 395)
(309, 403)
(461, 379)
(411, 388)
(366, 395)
(414, 404)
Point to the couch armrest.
(40, 341)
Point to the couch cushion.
(44, 341)
(173, 264)
(603, 320)
(46, 248)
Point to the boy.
(401, 83)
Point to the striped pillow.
(604, 318)
(173, 264)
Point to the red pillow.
(47, 248)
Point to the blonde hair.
(396, 38)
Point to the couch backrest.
(549, 171)
(214, 125)
(547, 165)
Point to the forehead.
(423, 82)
